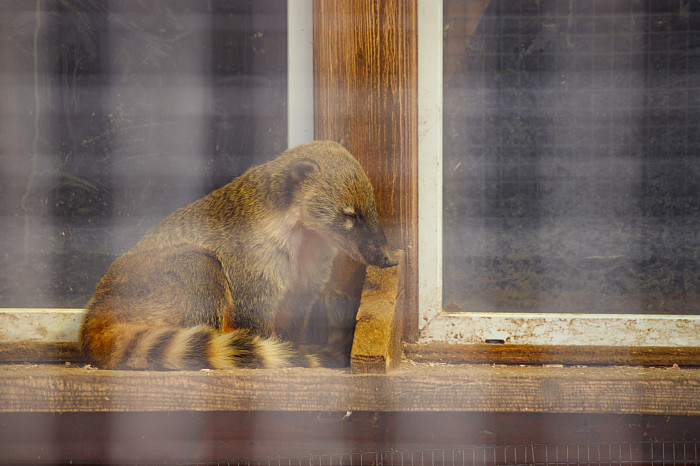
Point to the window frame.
(437, 325)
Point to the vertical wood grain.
(365, 75)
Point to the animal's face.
(340, 206)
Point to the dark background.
(571, 160)
(113, 114)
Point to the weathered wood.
(376, 346)
(40, 335)
(563, 329)
(555, 354)
(365, 72)
(410, 388)
(40, 352)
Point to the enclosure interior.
(571, 144)
(114, 114)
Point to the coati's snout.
(385, 259)
(378, 253)
(389, 260)
(362, 237)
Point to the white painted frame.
(40, 325)
(436, 325)
(430, 39)
(300, 72)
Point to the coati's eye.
(351, 217)
(350, 213)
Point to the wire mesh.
(570, 156)
(666, 452)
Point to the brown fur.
(225, 281)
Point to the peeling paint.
(565, 329)
(45, 325)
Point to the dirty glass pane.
(113, 114)
(572, 156)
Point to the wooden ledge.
(485, 353)
(376, 346)
(412, 387)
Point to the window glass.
(116, 113)
(571, 157)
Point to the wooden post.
(365, 93)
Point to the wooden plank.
(365, 75)
(410, 388)
(37, 352)
(553, 354)
(40, 352)
(376, 346)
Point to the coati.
(221, 282)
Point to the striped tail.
(130, 346)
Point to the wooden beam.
(376, 346)
(552, 354)
(57, 352)
(36, 352)
(413, 387)
(365, 74)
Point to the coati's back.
(217, 282)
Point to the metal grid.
(573, 84)
(669, 452)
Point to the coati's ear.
(341, 141)
(301, 169)
(298, 172)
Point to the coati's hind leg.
(172, 309)
(182, 286)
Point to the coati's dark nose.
(390, 260)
